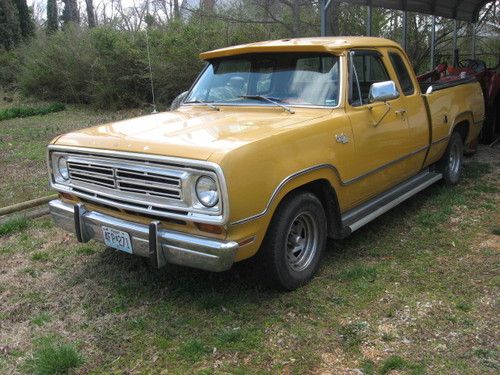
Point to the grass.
(23, 143)
(53, 357)
(21, 112)
(397, 363)
(12, 225)
(413, 292)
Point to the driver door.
(380, 130)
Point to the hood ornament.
(342, 138)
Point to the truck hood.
(194, 132)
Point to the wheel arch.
(462, 124)
(325, 187)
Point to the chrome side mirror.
(383, 91)
(176, 103)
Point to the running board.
(361, 215)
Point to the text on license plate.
(117, 239)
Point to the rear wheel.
(451, 163)
(295, 241)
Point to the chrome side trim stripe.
(321, 166)
(384, 166)
(440, 140)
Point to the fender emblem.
(342, 138)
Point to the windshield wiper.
(208, 104)
(267, 99)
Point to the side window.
(367, 68)
(402, 73)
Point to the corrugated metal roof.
(463, 10)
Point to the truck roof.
(315, 44)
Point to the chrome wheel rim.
(302, 241)
(454, 160)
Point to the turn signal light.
(209, 228)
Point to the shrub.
(9, 69)
(15, 112)
(109, 68)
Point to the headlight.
(62, 167)
(206, 191)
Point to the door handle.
(400, 112)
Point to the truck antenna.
(149, 60)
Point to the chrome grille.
(152, 185)
(141, 184)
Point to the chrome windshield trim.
(192, 214)
(260, 105)
(341, 58)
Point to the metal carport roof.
(462, 10)
(458, 10)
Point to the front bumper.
(160, 245)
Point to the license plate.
(117, 239)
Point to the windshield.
(288, 78)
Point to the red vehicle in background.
(489, 78)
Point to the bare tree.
(90, 13)
(70, 12)
(52, 21)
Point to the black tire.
(488, 131)
(286, 266)
(451, 164)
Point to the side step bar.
(361, 215)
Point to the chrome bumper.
(160, 245)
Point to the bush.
(15, 112)
(9, 69)
(109, 68)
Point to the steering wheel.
(475, 65)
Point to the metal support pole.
(433, 41)
(324, 5)
(405, 29)
(474, 41)
(323, 17)
(455, 36)
(456, 57)
(369, 21)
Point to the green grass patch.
(464, 306)
(352, 334)
(16, 224)
(397, 363)
(496, 231)
(41, 319)
(19, 112)
(193, 350)
(359, 272)
(86, 250)
(474, 170)
(52, 356)
(40, 256)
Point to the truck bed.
(449, 102)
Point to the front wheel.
(295, 241)
(451, 163)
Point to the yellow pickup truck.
(277, 146)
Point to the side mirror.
(176, 103)
(383, 91)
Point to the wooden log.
(25, 205)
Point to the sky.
(40, 5)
